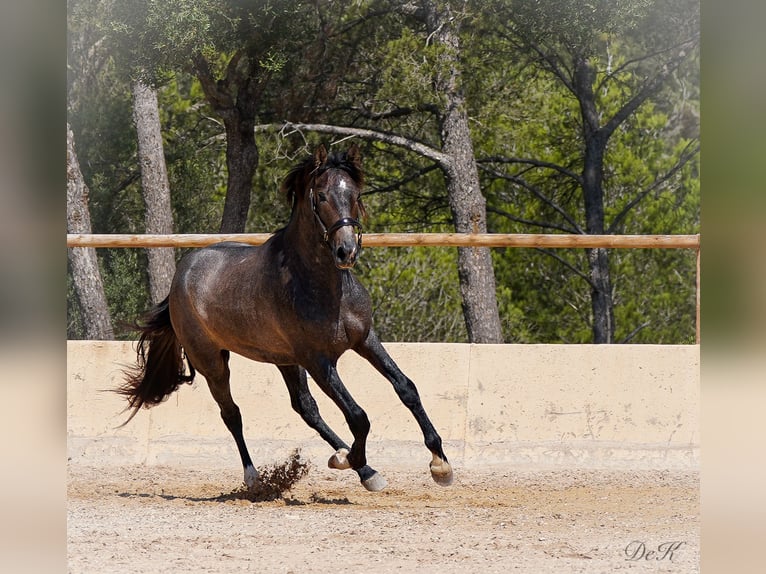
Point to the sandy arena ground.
(173, 519)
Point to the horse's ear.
(320, 156)
(355, 156)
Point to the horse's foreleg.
(304, 404)
(373, 351)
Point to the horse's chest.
(340, 321)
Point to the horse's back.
(218, 272)
(214, 259)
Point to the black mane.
(297, 178)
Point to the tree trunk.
(602, 305)
(475, 270)
(154, 181)
(83, 260)
(234, 99)
(468, 206)
(241, 161)
(595, 140)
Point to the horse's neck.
(309, 256)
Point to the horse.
(292, 302)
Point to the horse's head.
(329, 187)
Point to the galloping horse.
(292, 302)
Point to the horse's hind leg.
(305, 405)
(373, 351)
(215, 369)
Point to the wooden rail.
(558, 241)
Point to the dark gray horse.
(292, 302)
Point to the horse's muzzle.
(346, 251)
(345, 241)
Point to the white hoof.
(375, 483)
(441, 471)
(251, 477)
(339, 460)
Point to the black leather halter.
(342, 222)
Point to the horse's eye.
(322, 197)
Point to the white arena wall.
(513, 406)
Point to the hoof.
(339, 460)
(251, 478)
(441, 472)
(375, 483)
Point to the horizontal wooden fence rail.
(406, 240)
(559, 241)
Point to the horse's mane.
(297, 178)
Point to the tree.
(467, 204)
(376, 70)
(441, 101)
(575, 45)
(233, 49)
(82, 260)
(156, 189)
(233, 98)
(85, 60)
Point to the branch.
(374, 135)
(401, 182)
(534, 163)
(686, 155)
(651, 87)
(568, 265)
(552, 63)
(542, 224)
(219, 99)
(393, 112)
(538, 194)
(131, 178)
(639, 59)
(634, 332)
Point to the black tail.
(160, 365)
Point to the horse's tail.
(160, 362)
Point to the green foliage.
(370, 64)
(195, 156)
(269, 208)
(415, 293)
(408, 68)
(156, 37)
(545, 299)
(538, 118)
(126, 288)
(583, 26)
(656, 295)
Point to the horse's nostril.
(341, 254)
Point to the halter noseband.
(342, 222)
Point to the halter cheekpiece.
(342, 222)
